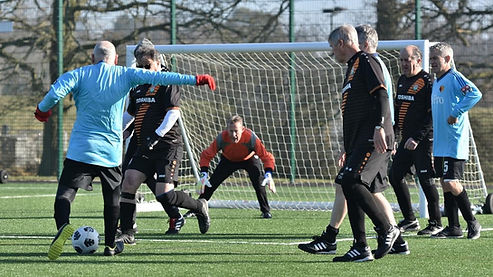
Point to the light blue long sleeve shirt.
(452, 95)
(388, 85)
(99, 93)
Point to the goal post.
(289, 95)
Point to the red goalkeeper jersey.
(248, 146)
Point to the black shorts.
(368, 166)
(80, 175)
(421, 158)
(165, 163)
(449, 168)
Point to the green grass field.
(239, 243)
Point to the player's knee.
(167, 198)
(453, 186)
(127, 197)
(130, 186)
(395, 178)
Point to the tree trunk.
(388, 18)
(49, 157)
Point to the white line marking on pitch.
(218, 241)
(37, 195)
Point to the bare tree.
(32, 51)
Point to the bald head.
(105, 51)
(410, 59)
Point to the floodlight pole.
(417, 24)
(332, 12)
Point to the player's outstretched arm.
(206, 79)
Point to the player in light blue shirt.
(95, 147)
(452, 96)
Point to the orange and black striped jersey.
(413, 106)
(248, 146)
(149, 105)
(364, 76)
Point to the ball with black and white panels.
(85, 240)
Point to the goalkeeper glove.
(269, 181)
(203, 182)
(42, 116)
(206, 80)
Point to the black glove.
(152, 140)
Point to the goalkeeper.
(155, 111)
(241, 149)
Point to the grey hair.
(366, 33)
(443, 48)
(236, 118)
(346, 33)
(145, 50)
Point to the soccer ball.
(85, 240)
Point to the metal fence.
(27, 64)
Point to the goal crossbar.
(292, 85)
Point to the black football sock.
(433, 199)
(331, 233)
(403, 198)
(111, 215)
(357, 221)
(62, 212)
(172, 211)
(127, 211)
(362, 196)
(465, 206)
(452, 209)
(179, 199)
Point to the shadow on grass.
(129, 256)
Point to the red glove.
(206, 80)
(42, 116)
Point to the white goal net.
(289, 95)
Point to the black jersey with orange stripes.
(363, 77)
(149, 105)
(413, 106)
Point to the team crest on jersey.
(442, 88)
(415, 87)
(466, 88)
